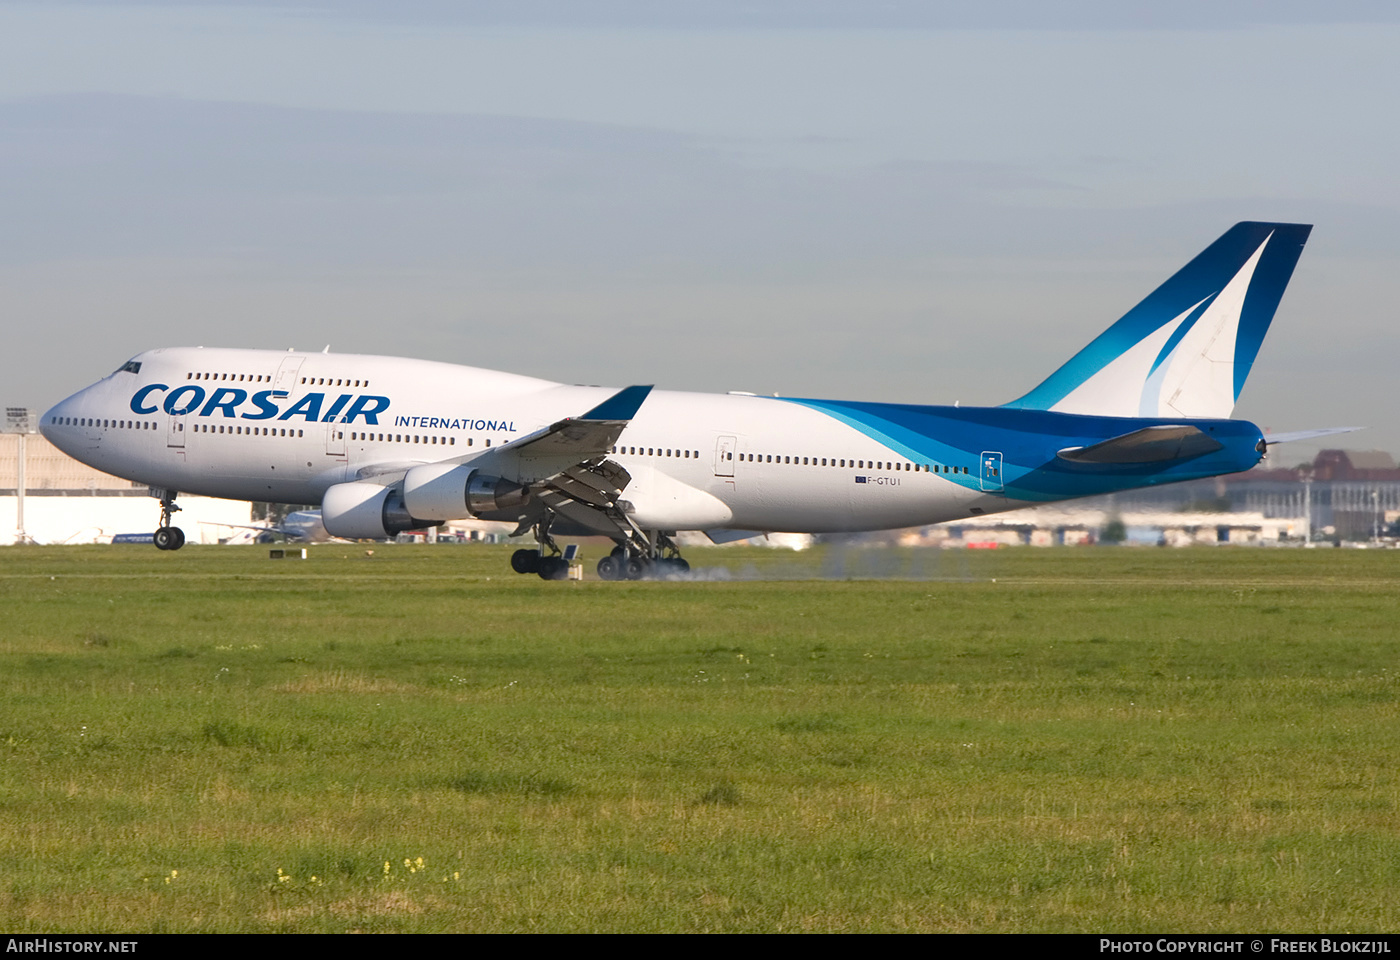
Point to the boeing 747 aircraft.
(386, 445)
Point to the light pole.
(1307, 508)
(1376, 514)
(20, 421)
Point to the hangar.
(65, 501)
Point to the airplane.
(385, 445)
(303, 526)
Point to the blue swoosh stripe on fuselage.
(1028, 441)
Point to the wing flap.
(606, 477)
(598, 518)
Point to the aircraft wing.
(575, 439)
(565, 467)
(550, 450)
(291, 533)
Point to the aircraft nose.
(58, 425)
(47, 421)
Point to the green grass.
(1022, 740)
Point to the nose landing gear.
(167, 537)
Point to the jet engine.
(448, 491)
(367, 511)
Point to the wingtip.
(622, 405)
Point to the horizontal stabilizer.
(1273, 438)
(1148, 445)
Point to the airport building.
(69, 502)
(1342, 496)
(1099, 521)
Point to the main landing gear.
(649, 556)
(168, 537)
(658, 560)
(549, 565)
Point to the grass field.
(1023, 740)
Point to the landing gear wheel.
(169, 538)
(638, 568)
(611, 568)
(525, 561)
(554, 568)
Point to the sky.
(899, 201)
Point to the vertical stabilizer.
(1186, 349)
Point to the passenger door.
(991, 471)
(724, 456)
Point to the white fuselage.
(284, 427)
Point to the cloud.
(609, 253)
(825, 14)
(104, 175)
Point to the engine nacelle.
(450, 491)
(367, 511)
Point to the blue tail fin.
(1186, 349)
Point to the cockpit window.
(131, 366)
